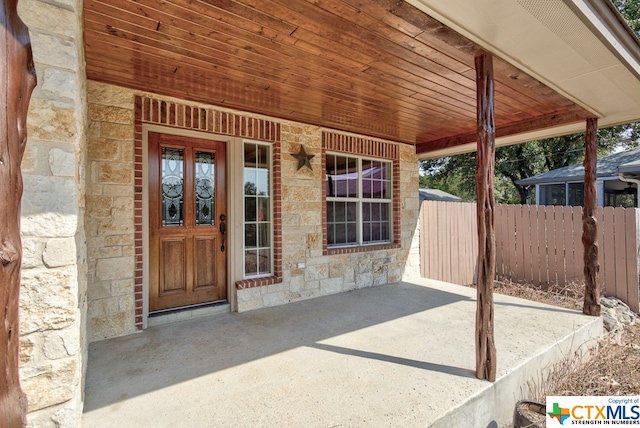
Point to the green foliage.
(456, 174)
(630, 11)
(450, 174)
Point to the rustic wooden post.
(589, 223)
(18, 78)
(485, 163)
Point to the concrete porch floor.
(399, 355)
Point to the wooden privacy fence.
(448, 241)
(534, 243)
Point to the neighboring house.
(437, 195)
(190, 157)
(618, 177)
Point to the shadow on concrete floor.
(394, 355)
(190, 349)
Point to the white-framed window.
(359, 200)
(258, 214)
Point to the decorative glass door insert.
(187, 209)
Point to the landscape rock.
(616, 314)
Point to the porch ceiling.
(382, 68)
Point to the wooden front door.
(187, 223)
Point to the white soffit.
(506, 141)
(577, 47)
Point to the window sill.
(257, 282)
(359, 249)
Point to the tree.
(455, 174)
(630, 11)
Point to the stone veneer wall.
(302, 232)
(53, 304)
(112, 209)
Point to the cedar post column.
(18, 78)
(589, 223)
(485, 162)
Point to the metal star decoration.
(303, 158)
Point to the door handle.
(223, 230)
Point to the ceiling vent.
(561, 20)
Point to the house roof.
(608, 166)
(402, 71)
(630, 167)
(437, 195)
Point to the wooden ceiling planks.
(375, 67)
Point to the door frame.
(232, 210)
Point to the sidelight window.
(258, 248)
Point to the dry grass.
(613, 368)
(568, 296)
